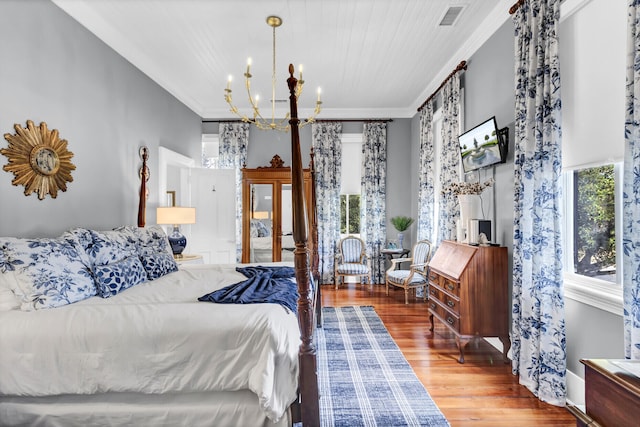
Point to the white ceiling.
(372, 58)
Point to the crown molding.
(485, 30)
(122, 46)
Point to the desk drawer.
(446, 286)
(444, 283)
(450, 319)
(453, 304)
(451, 286)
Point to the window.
(350, 214)
(210, 150)
(594, 222)
(592, 137)
(593, 209)
(350, 183)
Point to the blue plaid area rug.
(363, 377)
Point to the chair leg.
(406, 295)
(386, 282)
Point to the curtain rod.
(317, 120)
(221, 121)
(353, 120)
(461, 66)
(515, 7)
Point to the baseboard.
(575, 383)
(575, 389)
(497, 344)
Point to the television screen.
(481, 146)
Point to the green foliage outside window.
(594, 221)
(352, 203)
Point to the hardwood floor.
(480, 392)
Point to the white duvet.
(154, 338)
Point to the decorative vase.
(469, 209)
(400, 239)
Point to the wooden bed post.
(308, 381)
(315, 255)
(144, 175)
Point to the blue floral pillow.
(155, 252)
(259, 229)
(8, 299)
(45, 273)
(254, 227)
(117, 276)
(152, 239)
(113, 258)
(107, 247)
(158, 264)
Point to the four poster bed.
(124, 337)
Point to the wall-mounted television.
(483, 146)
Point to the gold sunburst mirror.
(39, 159)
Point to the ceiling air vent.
(450, 16)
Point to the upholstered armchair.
(413, 276)
(351, 260)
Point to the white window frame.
(351, 138)
(597, 293)
(213, 139)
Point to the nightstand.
(188, 259)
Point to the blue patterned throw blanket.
(263, 285)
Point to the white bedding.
(154, 338)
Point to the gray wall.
(263, 145)
(57, 72)
(488, 86)
(488, 83)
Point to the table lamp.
(176, 215)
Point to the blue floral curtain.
(538, 330)
(449, 158)
(631, 189)
(234, 138)
(426, 175)
(373, 206)
(327, 162)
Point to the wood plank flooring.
(481, 392)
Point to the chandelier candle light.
(257, 119)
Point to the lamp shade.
(176, 215)
(261, 215)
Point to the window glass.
(349, 214)
(350, 183)
(210, 147)
(594, 222)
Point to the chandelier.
(258, 120)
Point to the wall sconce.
(176, 216)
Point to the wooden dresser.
(468, 292)
(612, 393)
